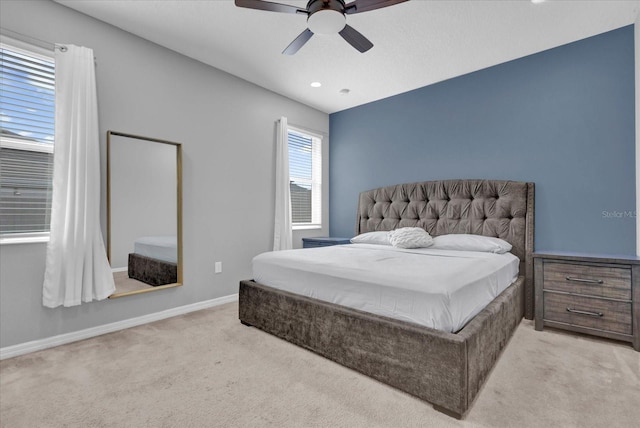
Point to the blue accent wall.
(562, 118)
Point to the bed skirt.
(442, 368)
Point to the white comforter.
(163, 248)
(440, 289)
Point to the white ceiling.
(416, 43)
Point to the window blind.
(305, 174)
(25, 193)
(27, 111)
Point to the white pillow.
(465, 242)
(378, 238)
(410, 237)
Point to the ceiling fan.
(324, 17)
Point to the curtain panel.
(282, 235)
(77, 269)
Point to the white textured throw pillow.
(466, 242)
(377, 238)
(410, 237)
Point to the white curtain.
(282, 239)
(77, 269)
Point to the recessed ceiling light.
(537, 1)
(344, 91)
(316, 84)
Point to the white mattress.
(157, 247)
(441, 289)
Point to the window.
(27, 89)
(305, 178)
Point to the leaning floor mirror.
(144, 213)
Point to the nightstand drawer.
(324, 241)
(599, 281)
(600, 314)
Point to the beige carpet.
(205, 369)
(124, 284)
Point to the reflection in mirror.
(144, 214)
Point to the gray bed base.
(442, 368)
(445, 369)
(152, 271)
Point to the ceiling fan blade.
(298, 42)
(355, 39)
(270, 6)
(359, 6)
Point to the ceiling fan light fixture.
(324, 17)
(326, 21)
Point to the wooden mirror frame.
(178, 147)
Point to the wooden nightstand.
(323, 242)
(596, 295)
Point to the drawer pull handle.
(591, 314)
(588, 281)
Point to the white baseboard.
(61, 339)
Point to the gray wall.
(227, 127)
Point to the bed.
(444, 368)
(154, 260)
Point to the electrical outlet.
(218, 267)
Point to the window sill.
(306, 226)
(23, 239)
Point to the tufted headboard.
(498, 208)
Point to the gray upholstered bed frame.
(152, 271)
(445, 369)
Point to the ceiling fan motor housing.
(326, 16)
